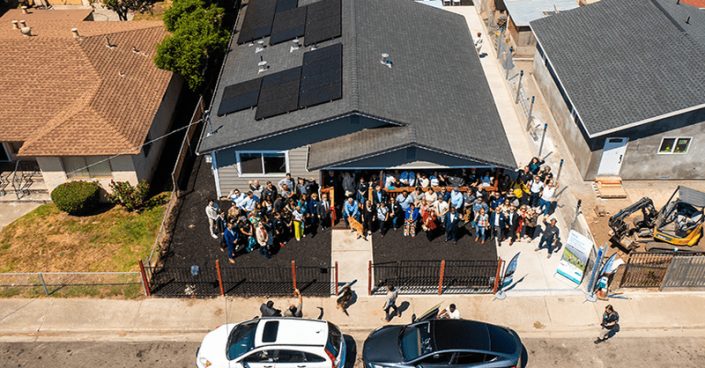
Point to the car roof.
(291, 331)
(450, 334)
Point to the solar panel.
(279, 93)
(288, 25)
(321, 76)
(284, 5)
(239, 97)
(258, 20)
(322, 21)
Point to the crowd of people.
(267, 216)
(511, 206)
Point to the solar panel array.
(288, 25)
(258, 20)
(279, 93)
(284, 5)
(322, 21)
(239, 97)
(321, 76)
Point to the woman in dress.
(412, 215)
(429, 223)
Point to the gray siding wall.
(641, 159)
(295, 142)
(580, 150)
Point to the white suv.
(273, 343)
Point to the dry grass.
(156, 13)
(48, 240)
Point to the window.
(290, 356)
(437, 358)
(674, 145)
(263, 163)
(263, 356)
(87, 167)
(465, 358)
(313, 358)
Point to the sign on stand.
(575, 257)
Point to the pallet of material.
(610, 187)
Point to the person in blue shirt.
(404, 200)
(351, 208)
(412, 215)
(456, 198)
(230, 236)
(443, 194)
(379, 195)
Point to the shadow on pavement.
(351, 354)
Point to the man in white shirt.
(535, 188)
(248, 204)
(547, 198)
(478, 42)
(212, 213)
(451, 312)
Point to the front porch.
(22, 180)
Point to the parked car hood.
(382, 346)
(214, 345)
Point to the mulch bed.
(192, 243)
(397, 247)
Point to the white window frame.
(243, 175)
(675, 142)
(7, 152)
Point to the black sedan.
(443, 342)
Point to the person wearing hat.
(549, 237)
(295, 310)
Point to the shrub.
(128, 196)
(76, 197)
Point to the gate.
(645, 269)
(687, 271)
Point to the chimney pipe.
(23, 24)
(687, 21)
(24, 10)
(75, 32)
(26, 31)
(14, 25)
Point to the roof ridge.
(354, 94)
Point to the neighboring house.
(343, 106)
(625, 82)
(73, 98)
(521, 12)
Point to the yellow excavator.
(678, 226)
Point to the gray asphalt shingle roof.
(436, 87)
(625, 62)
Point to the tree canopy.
(196, 33)
(122, 7)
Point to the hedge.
(76, 197)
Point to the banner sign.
(575, 257)
(608, 267)
(509, 273)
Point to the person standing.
(481, 224)
(530, 225)
(230, 237)
(390, 303)
(369, 215)
(412, 215)
(298, 216)
(549, 237)
(379, 195)
(610, 319)
(498, 223)
(546, 199)
(382, 217)
(452, 222)
(263, 240)
(514, 219)
(535, 190)
(221, 223)
(397, 213)
(478, 43)
(323, 212)
(212, 214)
(451, 312)
(429, 223)
(296, 310)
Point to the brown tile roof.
(66, 96)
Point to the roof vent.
(121, 73)
(24, 10)
(26, 31)
(75, 32)
(385, 60)
(262, 65)
(260, 46)
(14, 25)
(23, 24)
(108, 44)
(687, 21)
(134, 49)
(296, 46)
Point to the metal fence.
(645, 269)
(431, 277)
(71, 284)
(687, 271)
(240, 281)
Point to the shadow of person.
(403, 307)
(559, 245)
(320, 316)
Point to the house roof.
(524, 11)
(624, 63)
(695, 3)
(436, 87)
(66, 96)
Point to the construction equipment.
(678, 226)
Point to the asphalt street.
(541, 352)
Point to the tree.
(196, 34)
(122, 7)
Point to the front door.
(612, 156)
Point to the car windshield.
(334, 336)
(415, 341)
(242, 340)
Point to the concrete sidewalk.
(157, 319)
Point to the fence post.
(496, 278)
(336, 278)
(41, 277)
(145, 283)
(440, 281)
(521, 75)
(543, 136)
(369, 278)
(293, 272)
(220, 277)
(560, 167)
(577, 212)
(531, 110)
